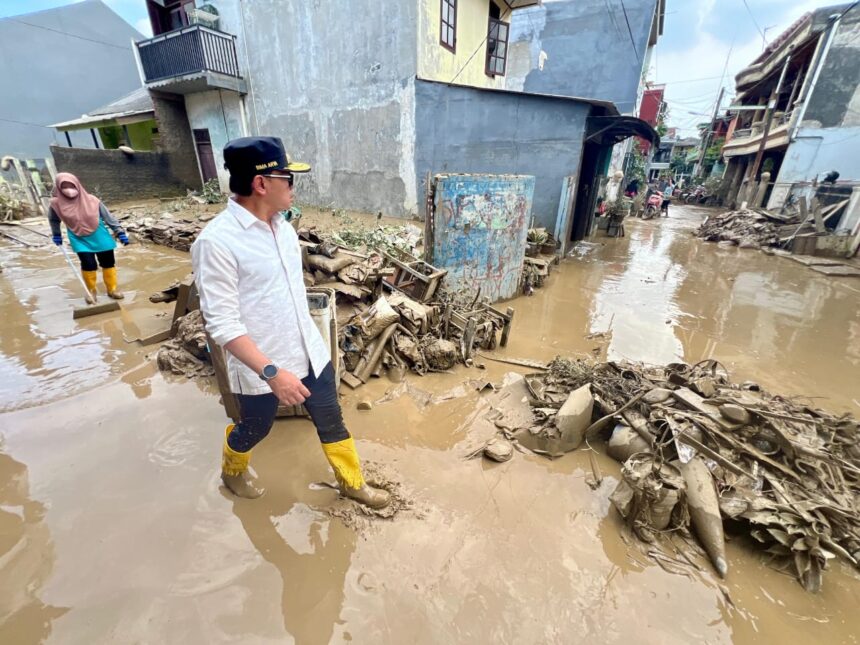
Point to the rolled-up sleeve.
(217, 278)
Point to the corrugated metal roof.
(137, 102)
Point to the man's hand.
(288, 388)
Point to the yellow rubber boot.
(234, 471)
(110, 282)
(343, 458)
(90, 279)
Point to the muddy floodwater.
(114, 529)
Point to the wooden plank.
(219, 362)
(695, 402)
(182, 299)
(841, 271)
(157, 337)
(810, 260)
(351, 380)
(816, 213)
(506, 330)
(804, 209)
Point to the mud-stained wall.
(827, 138)
(466, 130)
(581, 48)
(334, 81)
(835, 101)
(221, 113)
(175, 139)
(478, 231)
(467, 63)
(114, 176)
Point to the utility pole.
(707, 140)
(768, 119)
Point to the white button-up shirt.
(249, 276)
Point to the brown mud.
(113, 526)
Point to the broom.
(92, 307)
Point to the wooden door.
(205, 154)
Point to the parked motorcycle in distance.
(653, 205)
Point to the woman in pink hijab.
(87, 221)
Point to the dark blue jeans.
(258, 413)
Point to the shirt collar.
(245, 217)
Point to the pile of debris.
(398, 334)
(700, 450)
(186, 354)
(351, 234)
(541, 256)
(747, 228)
(176, 232)
(13, 204)
(806, 231)
(393, 315)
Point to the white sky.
(697, 40)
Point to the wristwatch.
(269, 372)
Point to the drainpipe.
(248, 68)
(810, 88)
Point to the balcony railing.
(779, 119)
(188, 50)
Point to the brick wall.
(115, 176)
(174, 137)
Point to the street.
(118, 531)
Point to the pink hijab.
(80, 214)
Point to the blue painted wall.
(588, 49)
(465, 130)
(478, 231)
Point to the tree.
(714, 152)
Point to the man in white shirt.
(248, 270)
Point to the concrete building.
(380, 96)
(584, 48)
(801, 97)
(143, 148)
(57, 64)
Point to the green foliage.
(714, 151)
(636, 167)
(212, 192)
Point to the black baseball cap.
(249, 156)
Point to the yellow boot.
(234, 471)
(90, 279)
(110, 282)
(347, 470)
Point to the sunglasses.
(289, 178)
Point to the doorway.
(205, 155)
(586, 192)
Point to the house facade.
(797, 106)
(57, 64)
(380, 96)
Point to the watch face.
(270, 371)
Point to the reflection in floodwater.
(44, 353)
(26, 559)
(300, 542)
(133, 534)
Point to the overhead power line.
(66, 33)
(752, 17)
(629, 30)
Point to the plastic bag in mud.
(651, 496)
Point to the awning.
(132, 108)
(609, 130)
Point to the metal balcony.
(190, 59)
